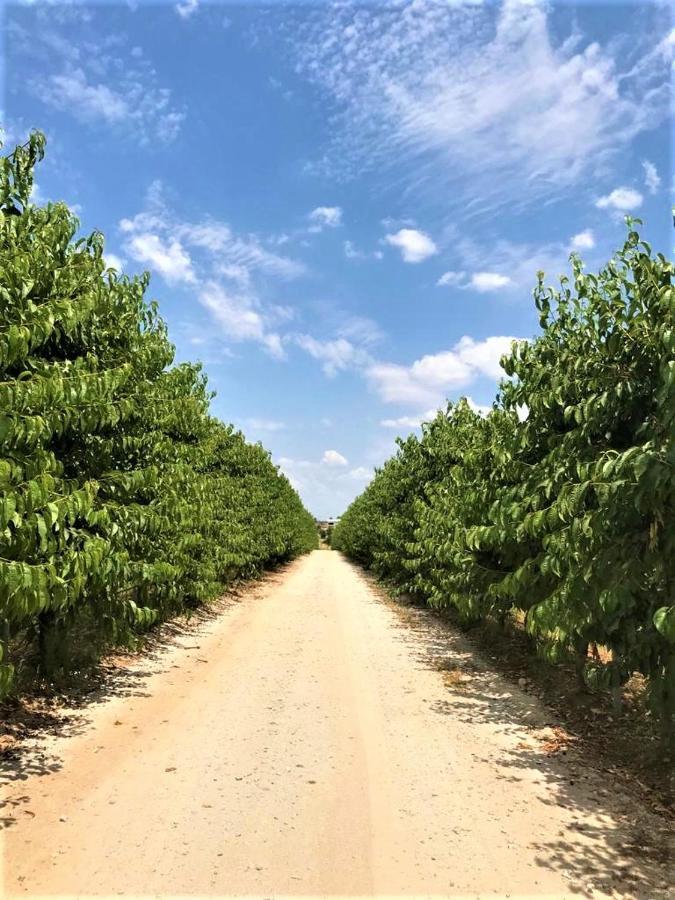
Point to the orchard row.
(558, 507)
(122, 500)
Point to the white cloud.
(483, 282)
(333, 458)
(237, 254)
(426, 382)
(451, 279)
(395, 383)
(112, 261)
(238, 318)
(583, 241)
(520, 261)
(36, 195)
(168, 258)
(483, 356)
(479, 408)
(187, 8)
(415, 421)
(325, 217)
(488, 103)
(99, 82)
(334, 355)
(361, 473)
(409, 422)
(235, 257)
(223, 266)
(87, 101)
(489, 281)
(652, 177)
(623, 199)
(361, 330)
(415, 246)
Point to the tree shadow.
(24, 755)
(59, 710)
(620, 840)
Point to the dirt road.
(305, 742)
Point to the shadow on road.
(619, 839)
(29, 725)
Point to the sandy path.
(308, 746)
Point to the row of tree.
(559, 505)
(121, 499)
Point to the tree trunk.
(617, 692)
(48, 640)
(580, 657)
(667, 712)
(4, 641)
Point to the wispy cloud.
(222, 266)
(187, 9)
(353, 252)
(513, 265)
(349, 346)
(264, 424)
(99, 80)
(652, 177)
(238, 317)
(452, 279)
(325, 217)
(478, 95)
(335, 355)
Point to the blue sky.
(343, 207)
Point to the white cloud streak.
(222, 266)
(98, 79)
(480, 99)
(265, 424)
(335, 355)
(652, 177)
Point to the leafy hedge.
(559, 505)
(121, 499)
